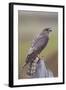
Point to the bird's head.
(47, 30)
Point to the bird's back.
(40, 43)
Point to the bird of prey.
(38, 45)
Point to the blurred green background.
(30, 24)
